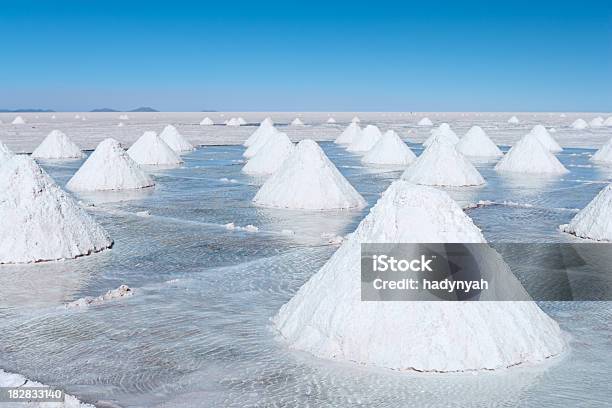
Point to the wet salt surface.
(197, 331)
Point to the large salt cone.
(530, 156)
(57, 146)
(109, 167)
(328, 319)
(39, 221)
(595, 220)
(308, 180)
(442, 165)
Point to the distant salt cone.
(596, 122)
(241, 121)
(608, 122)
(18, 121)
(233, 122)
(579, 124)
(595, 220)
(207, 122)
(308, 180)
(530, 156)
(425, 122)
(476, 143)
(390, 150)
(264, 128)
(442, 132)
(175, 140)
(267, 121)
(57, 146)
(297, 122)
(352, 132)
(331, 120)
(442, 165)
(151, 150)
(5, 153)
(363, 142)
(109, 167)
(271, 155)
(124, 117)
(355, 119)
(39, 221)
(261, 139)
(604, 155)
(514, 120)
(328, 319)
(546, 139)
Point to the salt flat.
(98, 126)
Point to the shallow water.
(197, 331)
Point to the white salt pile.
(604, 155)
(530, 156)
(389, 150)
(77, 116)
(262, 137)
(271, 155)
(175, 140)
(5, 153)
(546, 139)
(331, 120)
(308, 180)
(109, 167)
(264, 129)
(352, 132)
(21, 383)
(579, 124)
(120, 124)
(425, 122)
(355, 119)
(297, 122)
(120, 292)
(328, 319)
(476, 143)
(233, 122)
(53, 117)
(514, 120)
(39, 221)
(608, 122)
(241, 121)
(595, 220)
(124, 117)
(596, 122)
(442, 165)
(151, 150)
(57, 146)
(18, 121)
(442, 132)
(267, 121)
(207, 122)
(364, 141)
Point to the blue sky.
(311, 56)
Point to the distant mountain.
(208, 110)
(144, 109)
(104, 110)
(25, 110)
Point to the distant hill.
(104, 110)
(144, 109)
(25, 110)
(208, 110)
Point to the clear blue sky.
(313, 56)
